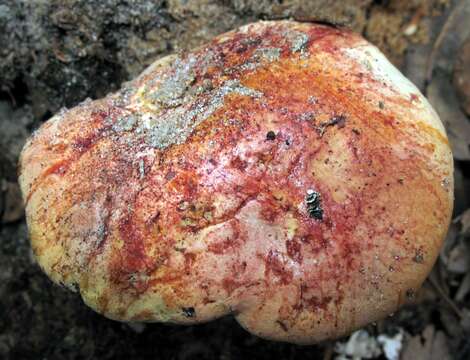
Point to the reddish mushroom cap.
(286, 173)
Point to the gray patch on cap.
(269, 54)
(125, 123)
(175, 126)
(259, 58)
(298, 41)
(172, 89)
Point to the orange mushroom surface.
(285, 173)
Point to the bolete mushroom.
(285, 173)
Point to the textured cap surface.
(286, 173)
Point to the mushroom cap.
(285, 173)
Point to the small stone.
(313, 202)
(271, 135)
(189, 312)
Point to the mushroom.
(285, 173)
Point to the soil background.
(57, 53)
